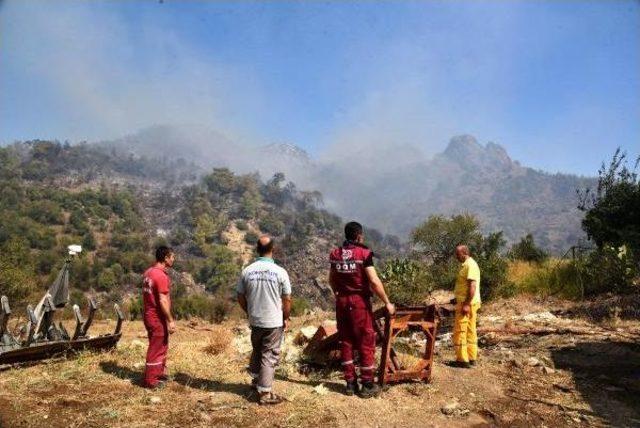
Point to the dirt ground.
(565, 372)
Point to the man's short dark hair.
(352, 230)
(263, 249)
(162, 252)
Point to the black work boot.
(472, 363)
(351, 388)
(369, 389)
(459, 364)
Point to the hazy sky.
(557, 83)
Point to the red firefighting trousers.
(157, 352)
(355, 330)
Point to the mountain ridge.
(357, 182)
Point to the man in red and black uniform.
(157, 316)
(354, 280)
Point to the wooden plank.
(386, 351)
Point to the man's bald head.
(264, 246)
(462, 252)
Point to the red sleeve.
(161, 281)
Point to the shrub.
(527, 250)
(299, 305)
(107, 280)
(407, 281)
(251, 237)
(17, 277)
(554, 277)
(242, 225)
(135, 308)
(221, 309)
(271, 225)
(195, 305)
(608, 270)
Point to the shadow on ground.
(242, 389)
(331, 386)
(607, 375)
(112, 368)
(184, 379)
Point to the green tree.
(17, 276)
(436, 240)
(207, 230)
(250, 204)
(527, 251)
(221, 181)
(220, 269)
(437, 237)
(611, 221)
(612, 211)
(89, 241)
(107, 280)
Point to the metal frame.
(45, 340)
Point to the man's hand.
(466, 309)
(286, 325)
(171, 327)
(391, 308)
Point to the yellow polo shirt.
(468, 270)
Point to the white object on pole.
(74, 249)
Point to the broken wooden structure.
(422, 318)
(324, 346)
(40, 338)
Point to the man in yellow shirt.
(467, 292)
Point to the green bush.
(299, 305)
(526, 250)
(242, 225)
(107, 280)
(89, 241)
(251, 237)
(608, 270)
(493, 277)
(552, 278)
(17, 278)
(407, 281)
(135, 308)
(195, 305)
(221, 309)
(271, 225)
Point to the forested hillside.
(118, 206)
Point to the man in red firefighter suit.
(157, 317)
(353, 279)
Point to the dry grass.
(211, 388)
(219, 340)
(518, 271)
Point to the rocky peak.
(466, 151)
(496, 154)
(463, 147)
